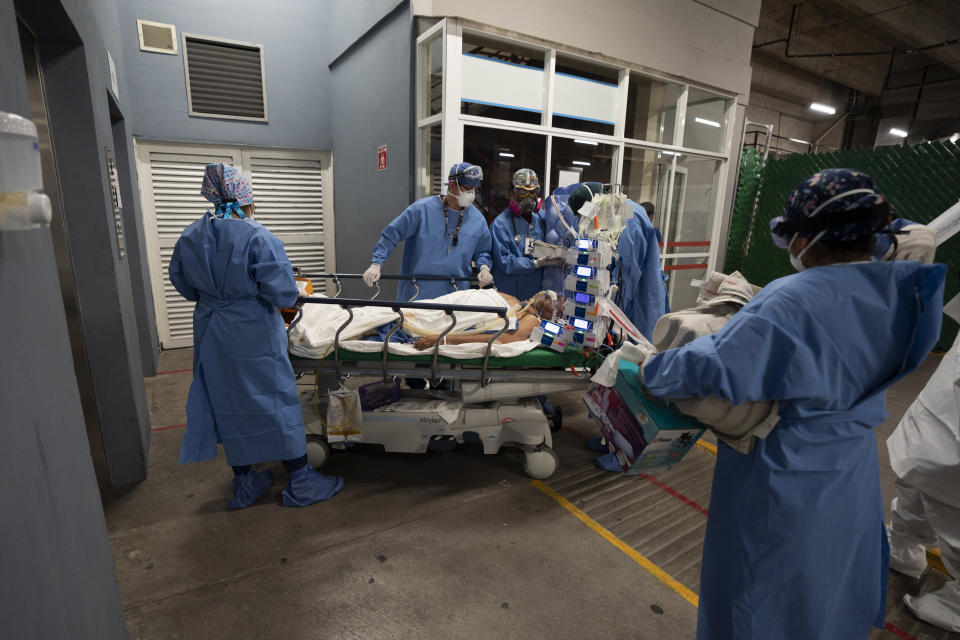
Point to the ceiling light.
(822, 108)
(799, 141)
(900, 133)
(955, 137)
(590, 142)
(505, 155)
(671, 153)
(581, 163)
(709, 123)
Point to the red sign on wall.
(382, 158)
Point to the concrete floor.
(444, 545)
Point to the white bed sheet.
(314, 335)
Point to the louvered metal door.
(292, 194)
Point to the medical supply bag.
(344, 416)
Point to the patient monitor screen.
(552, 327)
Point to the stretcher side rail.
(349, 304)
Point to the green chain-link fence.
(921, 182)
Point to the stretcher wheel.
(556, 419)
(318, 451)
(541, 463)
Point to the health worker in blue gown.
(515, 271)
(442, 236)
(641, 294)
(795, 544)
(562, 226)
(244, 394)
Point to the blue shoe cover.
(307, 486)
(608, 462)
(546, 406)
(248, 487)
(596, 444)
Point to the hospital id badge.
(528, 246)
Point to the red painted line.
(897, 631)
(678, 267)
(173, 426)
(689, 244)
(576, 433)
(676, 494)
(166, 373)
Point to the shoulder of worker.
(259, 233)
(473, 213)
(842, 285)
(503, 218)
(640, 216)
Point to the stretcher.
(488, 399)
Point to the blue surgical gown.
(795, 544)
(557, 233)
(642, 291)
(513, 272)
(244, 393)
(428, 247)
(883, 241)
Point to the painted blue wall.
(292, 33)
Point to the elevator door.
(61, 245)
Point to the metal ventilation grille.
(157, 37)
(225, 79)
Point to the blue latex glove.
(307, 486)
(248, 487)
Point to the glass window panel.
(585, 95)
(499, 153)
(583, 161)
(646, 176)
(651, 109)
(432, 181)
(705, 124)
(502, 80)
(693, 204)
(431, 75)
(680, 273)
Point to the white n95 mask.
(466, 198)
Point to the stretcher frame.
(536, 442)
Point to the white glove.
(371, 275)
(919, 244)
(485, 277)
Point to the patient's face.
(544, 306)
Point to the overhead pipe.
(788, 40)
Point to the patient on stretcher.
(322, 324)
(527, 314)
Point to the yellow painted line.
(934, 560)
(636, 556)
(707, 446)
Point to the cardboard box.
(644, 432)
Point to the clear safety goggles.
(473, 172)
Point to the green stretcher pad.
(538, 358)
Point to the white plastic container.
(22, 206)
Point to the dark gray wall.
(295, 55)
(76, 82)
(372, 82)
(58, 579)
